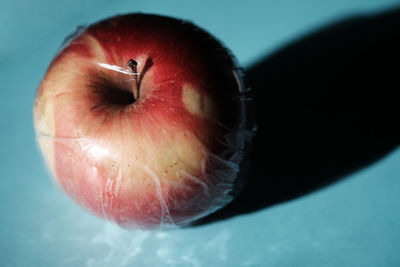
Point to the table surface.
(353, 222)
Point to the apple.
(144, 121)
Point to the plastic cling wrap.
(144, 121)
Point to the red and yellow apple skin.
(165, 159)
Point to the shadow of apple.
(326, 107)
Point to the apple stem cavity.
(132, 64)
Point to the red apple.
(142, 120)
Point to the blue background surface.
(354, 222)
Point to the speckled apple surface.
(352, 223)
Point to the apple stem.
(132, 64)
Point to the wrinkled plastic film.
(160, 161)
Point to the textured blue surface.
(355, 222)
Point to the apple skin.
(167, 158)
